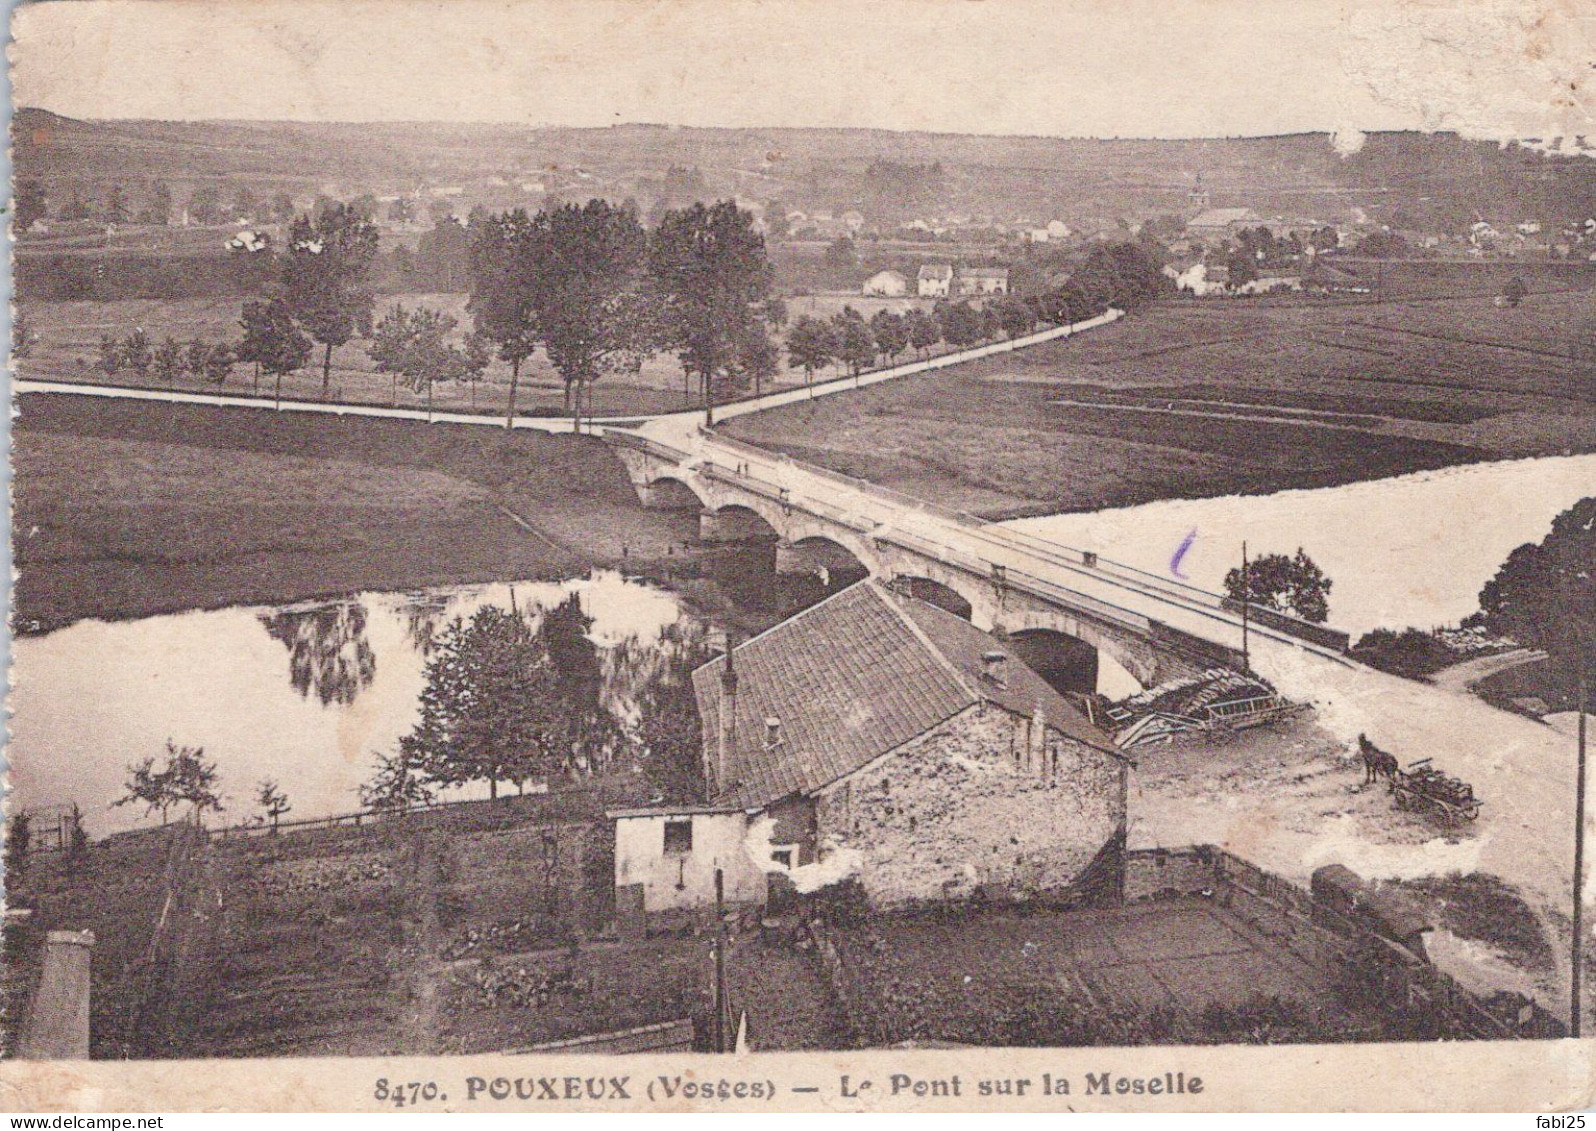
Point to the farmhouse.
(936, 280)
(983, 281)
(882, 730)
(891, 284)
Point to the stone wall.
(968, 804)
(1158, 873)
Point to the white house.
(888, 284)
(983, 281)
(666, 859)
(936, 280)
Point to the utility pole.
(720, 961)
(1246, 593)
(1577, 957)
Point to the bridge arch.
(734, 522)
(823, 555)
(934, 592)
(1067, 663)
(669, 492)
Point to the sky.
(1102, 68)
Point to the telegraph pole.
(1246, 593)
(720, 961)
(1577, 956)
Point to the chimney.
(995, 667)
(772, 733)
(726, 743)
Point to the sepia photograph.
(1025, 551)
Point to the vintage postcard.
(697, 555)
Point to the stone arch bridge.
(1043, 596)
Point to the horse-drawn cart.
(1422, 788)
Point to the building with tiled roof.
(983, 281)
(884, 727)
(935, 280)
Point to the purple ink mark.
(1180, 554)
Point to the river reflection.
(306, 694)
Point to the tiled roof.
(937, 271)
(1220, 217)
(985, 272)
(852, 679)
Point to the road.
(562, 423)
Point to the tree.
(195, 356)
(109, 359)
(841, 255)
(150, 787)
(217, 366)
(137, 353)
(811, 344)
(30, 204)
(397, 785)
(77, 845)
(856, 345)
(1291, 585)
(923, 331)
(192, 780)
(116, 206)
(414, 345)
(272, 341)
(491, 709)
(23, 336)
(170, 361)
(282, 208)
(1514, 291)
(205, 205)
(961, 324)
(585, 283)
(1241, 268)
(500, 305)
(891, 332)
(273, 801)
(1545, 596)
(1383, 245)
(19, 840)
(1015, 316)
(708, 266)
(401, 210)
(324, 277)
(157, 208)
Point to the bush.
(1411, 653)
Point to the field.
(126, 509)
(1198, 399)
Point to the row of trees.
(171, 359)
(156, 205)
(601, 294)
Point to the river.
(306, 694)
(1413, 550)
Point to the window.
(782, 856)
(679, 837)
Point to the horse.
(1377, 763)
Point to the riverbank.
(127, 509)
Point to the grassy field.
(1201, 399)
(67, 335)
(126, 508)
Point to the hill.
(1400, 177)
